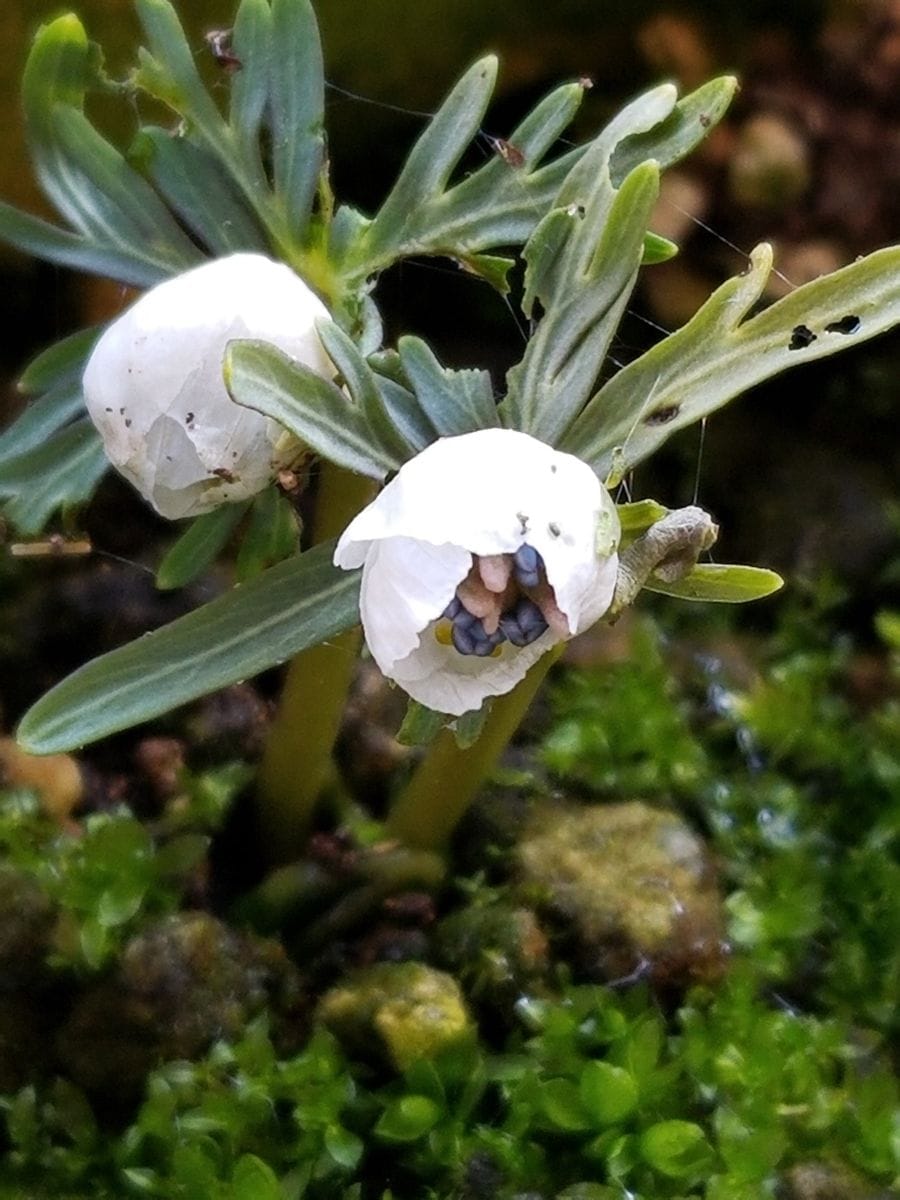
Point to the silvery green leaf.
(199, 546)
(261, 377)
(454, 401)
(719, 583)
(60, 472)
(288, 608)
(360, 381)
(297, 110)
(90, 183)
(584, 286)
(200, 191)
(720, 353)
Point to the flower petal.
(153, 385)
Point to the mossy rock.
(407, 1011)
(181, 985)
(633, 883)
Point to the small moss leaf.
(408, 1119)
(677, 1149)
(608, 1093)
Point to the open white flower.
(153, 385)
(483, 552)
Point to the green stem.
(297, 765)
(449, 778)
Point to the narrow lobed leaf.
(720, 583)
(717, 355)
(198, 547)
(454, 401)
(261, 377)
(258, 625)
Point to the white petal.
(154, 388)
(440, 678)
(406, 584)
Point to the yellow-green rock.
(409, 1010)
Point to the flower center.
(504, 597)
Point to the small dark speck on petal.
(848, 324)
(127, 422)
(801, 337)
(553, 529)
(662, 416)
(189, 418)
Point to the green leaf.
(407, 1119)
(198, 547)
(297, 604)
(887, 625)
(59, 473)
(252, 45)
(253, 1179)
(608, 1093)
(467, 728)
(344, 1147)
(685, 127)
(454, 401)
(63, 362)
(677, 1149)
(561, 1104)
(298, 103)
(201, 191)
(43, 240)
(39, 420)
(273, 534)
(420, 726)
(427, 169)
(718, 354)
(637, 517)
(584, 298)
(657, 250)
(82, 174)
(261, 377)
(363, 387)
(720, 583)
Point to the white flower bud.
(153, 385)
(483, 552)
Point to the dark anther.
(463, 640)
(452, 608)
(662, 416)
(527, 565)
(523, 624)
(801, 337)
(848, 324)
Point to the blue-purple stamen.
(468, 634)
(523, 624)
(527, 566)
(454, 607)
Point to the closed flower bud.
(154, 388)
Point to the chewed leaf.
(718, 354)
(720, 583)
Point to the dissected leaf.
(261, 377)
(718, 354)
(454, 401)
(59, 473)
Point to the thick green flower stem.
(449, 778)
(297, 766)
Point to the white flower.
(154, 387)
(483, 552)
